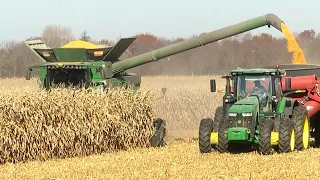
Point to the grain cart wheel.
(301, 127)
(223, 143)
(265, 129)
(157, 140)
(286, 136)
(205, 129)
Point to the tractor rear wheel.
(316, 129)
(301, 127)
(157, 140)
(286, 136)
(265, 129)
(223, 143)
(205, 129)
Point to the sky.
(106, 19)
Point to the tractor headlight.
(246, 114)
(233, 114)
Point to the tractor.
(258, 112)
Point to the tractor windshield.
(258, 85)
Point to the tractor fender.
(288, 107)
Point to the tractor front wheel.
(223, 143)
(301, 127)
(265, 129)
(205, 129)
(218, 116)
(286, 136)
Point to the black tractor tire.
(205, 129)
(265, 129)
(157, 140)
(286, 131)
(302, 134)
(218, 116)
(316, 127)
(223, 143)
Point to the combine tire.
(301, 127)
(223, 143)
(265, 129)
(157, 140)
(205, 129)
(286, 136)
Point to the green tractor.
(256, 114)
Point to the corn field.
(62, 123)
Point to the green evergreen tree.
(85, 37)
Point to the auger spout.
(201, 40)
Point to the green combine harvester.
(99, 66)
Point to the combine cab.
(264, 108)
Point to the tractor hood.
(245, 105)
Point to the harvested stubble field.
(188, 99)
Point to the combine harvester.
(100, 66)
(270, 108)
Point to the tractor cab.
(260, 86)
(245, 84)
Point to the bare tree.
(57, 35)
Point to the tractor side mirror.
(28, 76)
(213, 87)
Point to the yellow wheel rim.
(292, 140)
(306, 132)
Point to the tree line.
(244, 50)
